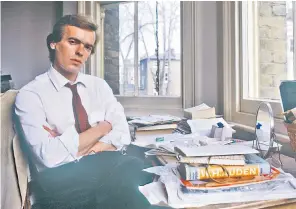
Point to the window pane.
(168, 18)
(160, 25)
(267, 41)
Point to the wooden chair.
(14, 168)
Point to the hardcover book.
(255, 166)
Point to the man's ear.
(53, 45)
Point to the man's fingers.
(111, 148)
(52, 132)
(91, 152)
(46, 128)
(101, 146)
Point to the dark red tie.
(81, 119)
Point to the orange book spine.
(217, 172)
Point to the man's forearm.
(88, 139)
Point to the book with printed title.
(255, 166)
(234, 182)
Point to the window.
(145, 61)
(267, 34)
(177, 64)
(259, 37)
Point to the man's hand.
(53, 133)
(100, 147)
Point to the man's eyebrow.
(85, 44)
(76, 39)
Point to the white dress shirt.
(46, 101)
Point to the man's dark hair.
(58, 30)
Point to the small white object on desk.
(204, 126)
(221, 132)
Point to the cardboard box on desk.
(192, 113)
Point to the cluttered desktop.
(201, 164)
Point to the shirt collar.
(59, 81)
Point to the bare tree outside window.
(165, 39)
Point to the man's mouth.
(76, 61)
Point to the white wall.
(25, 26)
(70, 7)
(219, 34)
(209, 74)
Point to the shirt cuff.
(70, 139)
(114, 139)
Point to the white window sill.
(283, 139)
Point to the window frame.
(146, 102)
(190, 69)
(249, 105)
(236, 108)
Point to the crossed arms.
(53, 148)
(88, 140)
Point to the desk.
(268, 204)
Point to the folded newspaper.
(168, 143)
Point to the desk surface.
(274, 204)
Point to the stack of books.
(154, 123)
(205, 171)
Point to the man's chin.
(74, 69)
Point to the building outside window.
(142, 40)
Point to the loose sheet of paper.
(154, 192)
(204, 126)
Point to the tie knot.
(72, 87)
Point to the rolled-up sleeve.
(50, 151)
(120, 134)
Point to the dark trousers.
(104, 180)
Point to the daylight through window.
(142, 48)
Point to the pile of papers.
(203, 170)
(151, 120)
(215, 173)
(170, 190)
(154, 123)
(166, 145)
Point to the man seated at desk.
(74, 129)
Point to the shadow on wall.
(25, 26)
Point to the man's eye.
(71, 41)
(88, 48)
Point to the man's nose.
(79, 50)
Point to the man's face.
(73, 49)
